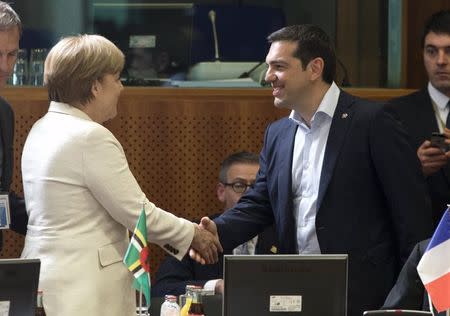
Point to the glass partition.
(217, 43)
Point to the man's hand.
(205, 244)
(431, 158)
(219, 287)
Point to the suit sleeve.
(253, 213)
(398, 170)
(408, 292)
(110, 180)
(173, 276)
(19, 216)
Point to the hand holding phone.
(438, 140)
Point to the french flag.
(434, 267)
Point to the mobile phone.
(438, 140)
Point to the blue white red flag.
(434, 267)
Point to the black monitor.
(315, 285)
(19, 280)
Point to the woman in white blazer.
(80, 195)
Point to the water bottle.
(170, 306)
(196, 308)
(186, 299)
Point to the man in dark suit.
(409, 292)
(10, 29)
(426, 111)
(237, 175)
(336, 176)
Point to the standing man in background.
(10, 30)
(426, 111)
(336, 176)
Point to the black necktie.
(447, 121)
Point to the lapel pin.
(344, 115)
(273, 249)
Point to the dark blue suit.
(19, 217)
(372, 202)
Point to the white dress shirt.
(309, 151)
(441, 109)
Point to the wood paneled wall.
(174, 140)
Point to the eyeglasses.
(239, 187)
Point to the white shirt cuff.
(211, 285)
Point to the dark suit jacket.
(409, 292)
(417, 115)
(372, 201)
(173, 275)
(19, 218)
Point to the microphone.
(212, 17)
(247, 73)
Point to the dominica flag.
(136, 258)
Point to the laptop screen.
(19, 280)
(314, 285)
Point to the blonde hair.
(75, 62)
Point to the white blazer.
(81, 198)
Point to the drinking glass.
(20, 72)
(37, 59)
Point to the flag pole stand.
(140, 301)
(430, 304)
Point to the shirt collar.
(327, 105)
(438, 97)
(64, 108)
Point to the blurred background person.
(237, 174)
(141, 64)
(427, 110)
(80, 194)
(10, 30)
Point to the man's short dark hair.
(312, 42)
(243, 157)
(9, 18)
(438, 23)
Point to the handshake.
(205, 246)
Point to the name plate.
(5, 217)
(4, 308)
(285, 303)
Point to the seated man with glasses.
(237, 175)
